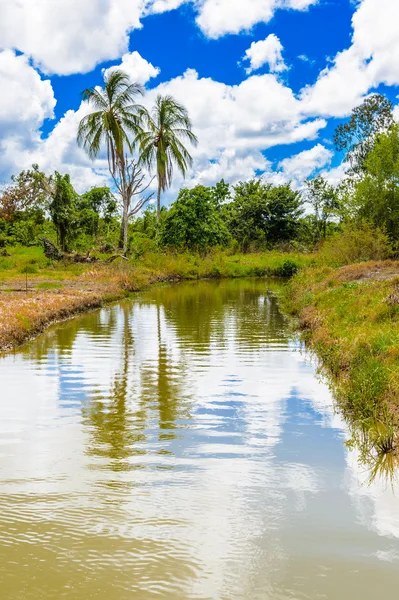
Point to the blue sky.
(308, 63)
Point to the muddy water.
(180, 446)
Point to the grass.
(350, 318)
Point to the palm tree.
(116, 116)
(161, 144)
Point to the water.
(180, 446)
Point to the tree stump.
(50, 250)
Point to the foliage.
(116, 115)
(63, 209)
(355, 243)
(323, 199)
(287, 269)
(161, 142)
(376, 195)
(146, 223)
(193, 221)
(262, 214)
(114, 118)
(356, 137)
(28, 191)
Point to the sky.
(265, 81)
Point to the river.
(180, 446)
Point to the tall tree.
(166, 128)
(356, 137)
(376, 194)
(115, 119)
(323, 199)
(63, 209)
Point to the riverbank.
(350, 317)
(35, 292)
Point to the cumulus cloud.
(25, 102)
(268, 51)
(219, 17)
(372, 59)
(70, 36)
(305, 163)
(59, 151)
(137, 67)
(246, 119)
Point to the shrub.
(356, 243)
(288, 269)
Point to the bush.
(288, 269)
(140, 244)
(356, 243)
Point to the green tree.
(262, 214)
(221, 193)
(376, 194)
(356, 137)
(28, 191)
(115, 119)
(63, 209)
(161, 141)
(93, 204)
(193, 221)
(323, 199)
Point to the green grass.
(353, 327)
(180, 266)
(47, 285)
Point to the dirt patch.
(369, 271)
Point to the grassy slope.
(350, 317)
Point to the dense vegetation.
(362, 211)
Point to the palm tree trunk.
(159, 202)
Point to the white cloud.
(268, 51)
(245, 119)
(218, 17)
(302, 165)
(59, 151)
(137, 67)
(69, 36)
(259, 113)
(25, 102)
(26, 99)
(372, 59)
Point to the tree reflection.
(116, 430)
(122, 423)
(200, 312)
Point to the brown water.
(180, 446)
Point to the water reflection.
(180, 446)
